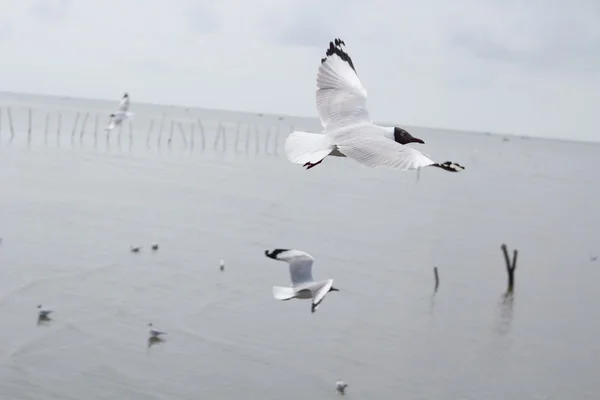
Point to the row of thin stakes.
(511, 265)
(270, 143)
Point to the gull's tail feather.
(449, 166)
(304, 147)
(283, 293)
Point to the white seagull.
(153, 332)
(303, 285)
(341, 386)
(347, 127)
(43, 312)
(121, 115)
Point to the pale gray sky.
(526, 67)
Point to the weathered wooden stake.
(437, 279)
(58, 125)
(160, 129)
(150, 128)
(202, 133)
(268, 135)
(29, 128)
(10, 124)
(510, 267)
(182, 135)
(85, 118)
(237, 137)
(276, 144)
(192, 133)
(171, 132)
(257, 137)
(74, 128)
(96, 130)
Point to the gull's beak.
(415, 140)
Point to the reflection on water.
(506, 311)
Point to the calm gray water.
(71, 207)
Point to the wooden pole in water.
(202, 133)
(171, 132)
(74, 128)
(510, 267)
(276, 144)
(437, 279)
(217, 136)
(46, 128)
(95, 130)
(248, 134)
(162, 125)
(10, 124)
(237, 137)
(267, 137)
(257, 137)
(180, 128)
(58, 125)
(223, 129)
(87, 115)
(192, 129)
(149, 134)
(29, 128)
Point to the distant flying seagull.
(116, 119)
(43, 312)
(341, 386)
(347, 127)
(153, 332)
(303, 285)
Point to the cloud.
(203, 19)
(487, 65)
(51, 10)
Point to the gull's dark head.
(112, 115)
(403, 137)
(125, 95)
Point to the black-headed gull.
(222, 265)
(154, 333)
(341, 386)
(303, 285)
(154, 246)
(116, 119)
(347, 127)
(43, 312)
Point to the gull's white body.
(347, 127)
(303, 284)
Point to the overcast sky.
(527, 67)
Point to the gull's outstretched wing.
(366, 145)
(320, 295)
(341, 97)
(300, 264)
(124, 104)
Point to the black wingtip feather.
(274, 253)
(450, 166)
(335, 48)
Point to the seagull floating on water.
(155, 246)
(153, 332)
(341, 386)
(222, 265)
(303, 285)
(43, 312)
(135, 249)
(116, 119)
(347, 127)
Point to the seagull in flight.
(117, 118)
(303, 285)
(348, 130)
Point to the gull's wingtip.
(450, 166)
